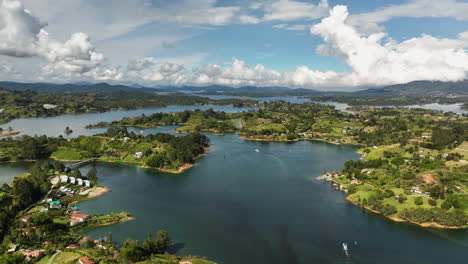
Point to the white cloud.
(374, 63)
(23, 35)
(368, 22)
(289, 10)
(292, 27)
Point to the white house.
(416, 190)
(63, 178)
(87, 183)
(126, 139)
(72, 180)
(79, 181)
(49, 106)
(138, 155)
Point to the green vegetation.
(160, 151)
(18, 104)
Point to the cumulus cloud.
(23, 35)
(368, 22)
(375, 60)
(377, 63)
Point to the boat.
(257, 150)
(345, 248)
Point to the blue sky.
(203, 42)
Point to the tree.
(92, 174)
(446, 205)
(418, 200)
(432, 202)
(163, 241)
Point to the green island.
(413, 166)
(160, 151)
(40, 222)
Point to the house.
(63, 178)
(79, 181)
(72, 180)
(49, 106)
(85, 260)
(25, 218)
(126, 139)
(71, 247)
(87, 183)
(138, 155)
(80, 217)
(55, 205)
(355, 181)
(74, 222)
(29, 254)
(416, 190)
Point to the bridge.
(79, 164)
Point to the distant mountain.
(412, 89)
(420, 88)
(81, 87)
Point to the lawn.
(66, 153)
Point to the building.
(80, 217)
(416, 190)
(72, 180)
(87, 183)
(63, 178)
(79, 181)
(138, 155)
(71, 247)
(74, 222)
(355, 181)
(25, 218)
(49, 106)
(85, 260)
(29, 254)
(55, 205)
(126, 139)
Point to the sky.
(314, 44)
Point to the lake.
(239, 205)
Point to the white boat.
(345, 248)
(257, 150)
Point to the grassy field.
(66, 153)
(62, 258)
(168, 259)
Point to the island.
(414, 162)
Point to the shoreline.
(401, 220)
(100, 192)
(126, 219)
(7, 134)
(179, 170)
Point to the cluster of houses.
(73, 180)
